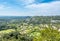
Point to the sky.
(29, 7)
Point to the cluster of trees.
(36, 28)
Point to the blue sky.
(29, 7)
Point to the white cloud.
(43, 5)
(2, 6)
(52, 8)
(26, 2)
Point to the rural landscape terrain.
(29, 28)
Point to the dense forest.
(29, 28)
